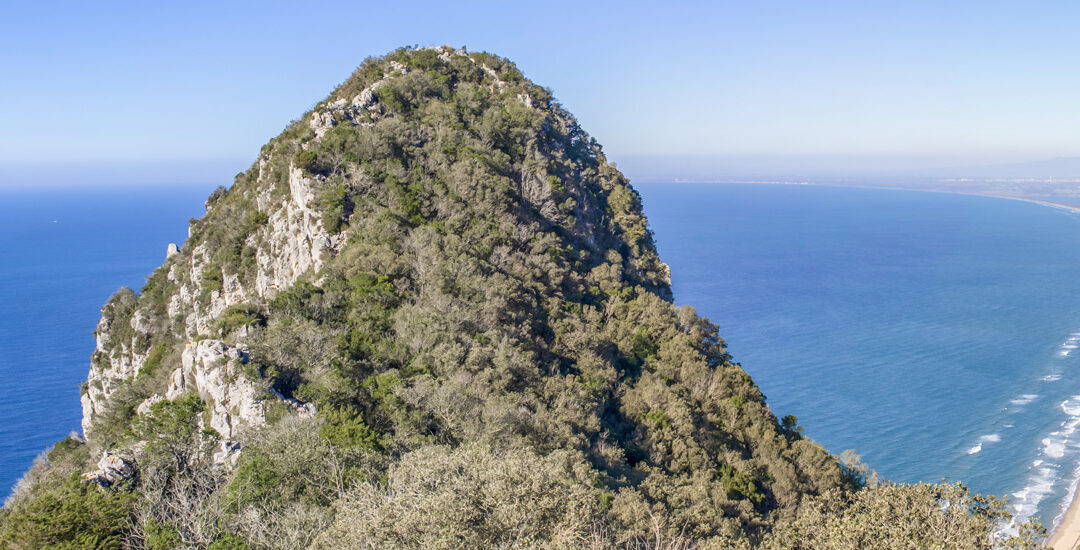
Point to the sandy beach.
(1067, 535)
(1037, 201)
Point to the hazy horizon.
(639, 168)
(768, 89)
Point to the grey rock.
(111, 469)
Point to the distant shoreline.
(1051, 204)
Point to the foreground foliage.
(903, 516)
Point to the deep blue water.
(934, 334)
(916, 328)
(63, 252)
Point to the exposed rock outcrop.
(111, 469)
(273, 232)
(292, 243)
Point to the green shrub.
(307, 160)
(738, 485)
(171, 431)
(112, 424)
(344, 426)
(239, 315)
(254, 219)
(228, 541)
(67, 449)
(158, 290)
(73, 515)
(391, 99)
(213, 279)
(117, 314)
(154, 360)
(216, 196)
(790, 424)
(255, 479)
(289, 462)
(302, 301)
(737, 400)
(161, 537)
(336, 207)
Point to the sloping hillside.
(431, 315)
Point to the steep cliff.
(402, 153)
(430, 315)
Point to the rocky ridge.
(292, 244)
(435, 261)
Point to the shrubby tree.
(471, 496)
(70, 514)
(892, 516)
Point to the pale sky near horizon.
(202, 81)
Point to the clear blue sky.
(212, 81)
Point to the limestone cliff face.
(283, 238)
(292, 243)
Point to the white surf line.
(988, 438)
(1046, 468)
(1024, 399)
(1057, 451)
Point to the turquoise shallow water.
(935, 334)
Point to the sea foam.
(1026, 501)
(1046, 469)
(988, 438)
(1024, 399)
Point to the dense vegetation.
(494, 356)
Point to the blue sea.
(63, 252)
(937, 335)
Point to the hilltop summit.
(430, 315)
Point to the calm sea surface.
(63, 252)
(937, 335)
